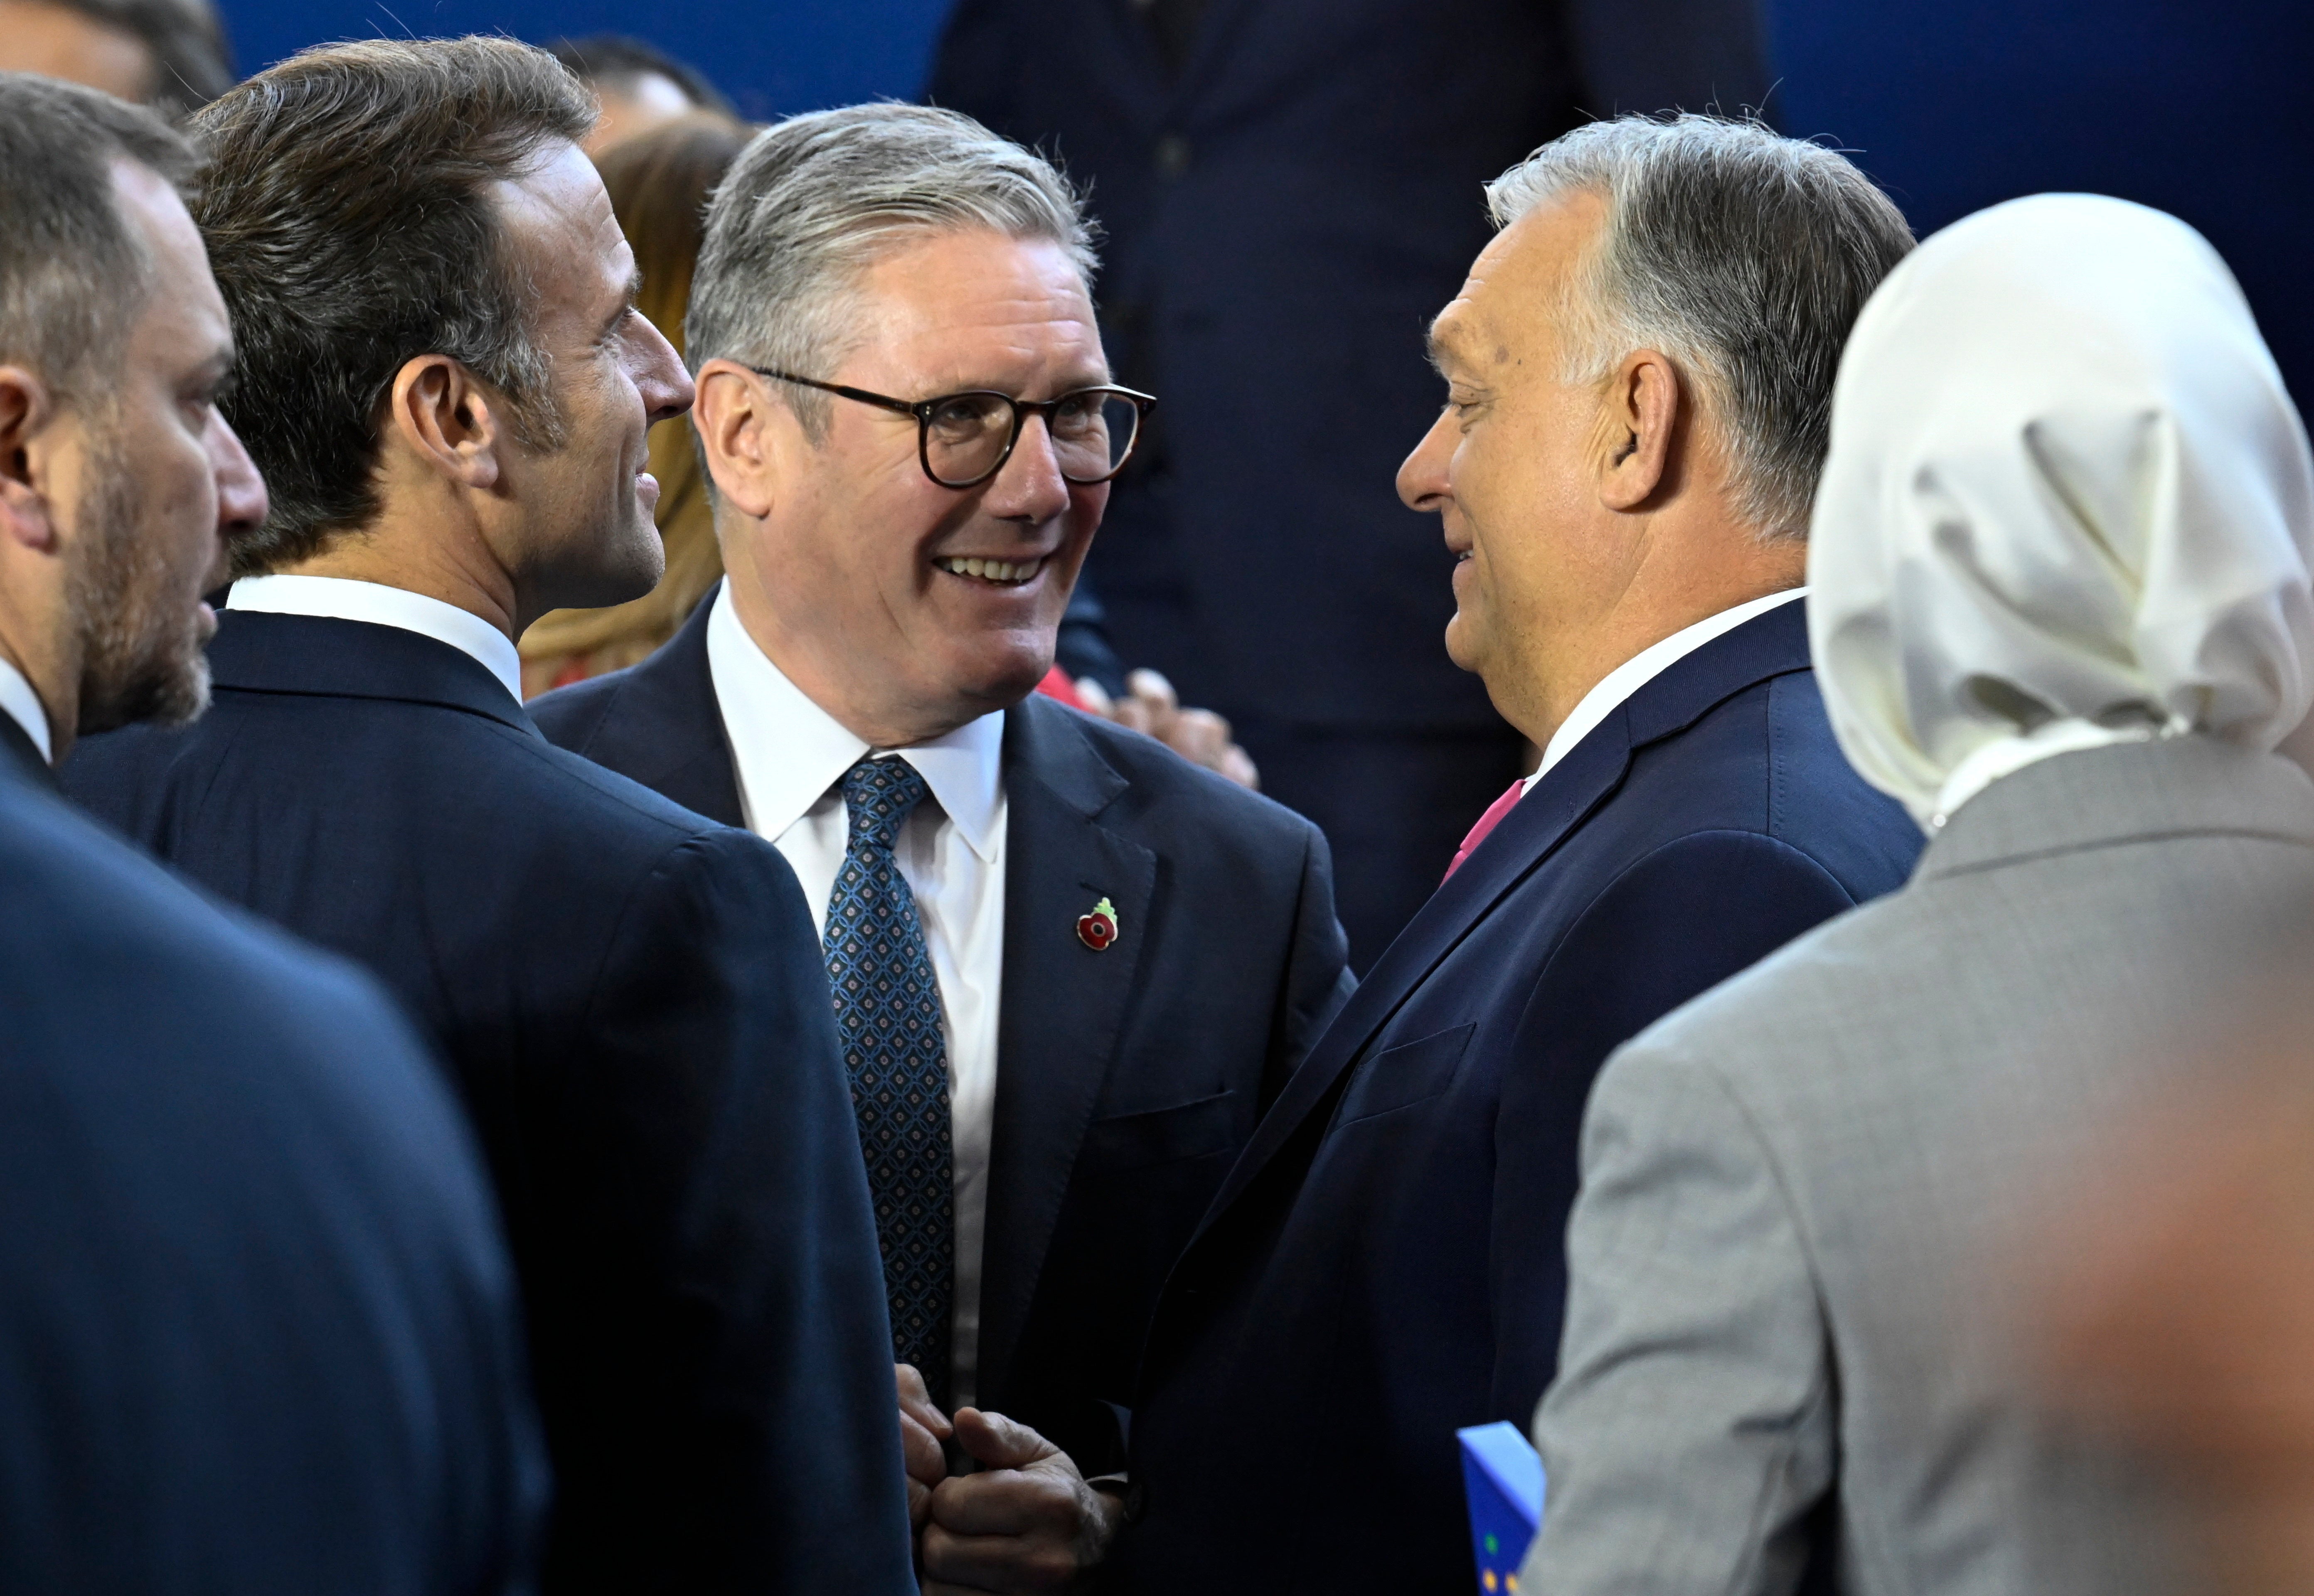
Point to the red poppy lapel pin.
(1098, 930)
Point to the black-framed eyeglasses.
(963, 439)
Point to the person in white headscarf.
(2066, 506)
(2059, 607)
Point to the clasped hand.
(1026, 1523)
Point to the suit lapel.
(667, 727)
(1064, 1003)
(1771, 644)
(1527, 836)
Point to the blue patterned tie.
(887, 1013)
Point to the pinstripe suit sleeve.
(1692, 1427)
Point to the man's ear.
(26, 408)
(1642, 413)
(443, 414)
(738, 423)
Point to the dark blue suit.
(634, 1000)
(1385, 1263)
(1127, 1078)
(1283, 212)
(257, 1331)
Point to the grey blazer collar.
(2189, 786)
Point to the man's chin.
(1463, 645)
(621, 569)
(1000, 683)
(165, 692)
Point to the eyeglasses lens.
(1092, 433)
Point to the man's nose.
(1031, 486)
(1422, 480)
(242, 501)
(665, 386)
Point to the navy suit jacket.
(1385, 1263)
(634, 1004)
(1127, 1078)
(258, 1334)
(1282, 219)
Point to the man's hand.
(1027, 1524)
(1199, 735)
(922, 1431)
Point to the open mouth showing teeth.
(1006, 573)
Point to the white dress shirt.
(336, 598)
(791, 756)
(23, 706)
(1644, 667)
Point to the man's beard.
(141, 642)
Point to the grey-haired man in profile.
(1636, 373)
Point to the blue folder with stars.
(1502, 1480)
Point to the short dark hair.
(350, 228)
(616, 60)
(73, 276)
(192, 65)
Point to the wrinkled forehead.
(981, 293)
(557, 213)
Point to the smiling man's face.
(1512, 464)
(911, 605)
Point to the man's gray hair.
(1743, 255)
(813, 202)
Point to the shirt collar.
(23, 706)
(1643, 667)
(790, 751)
(340, 598)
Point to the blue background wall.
(771, 57)
(2195, 106)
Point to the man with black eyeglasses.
(1070, 968)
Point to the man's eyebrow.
(1439, 347)
(634, 291)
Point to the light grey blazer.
(1794, 1299)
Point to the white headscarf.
(2068, 503)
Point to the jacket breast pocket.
(1193, 1130)
(1402, 1076)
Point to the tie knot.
(879, 797)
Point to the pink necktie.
(1492, 818)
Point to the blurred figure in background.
(638, 87)
(258, 1329)
(2059, 607)
(1286, 190)
(658, 183)
(2179, 1283)
(168, 54)
(443, 375)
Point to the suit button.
(1172, 156)
(1136, 1502)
